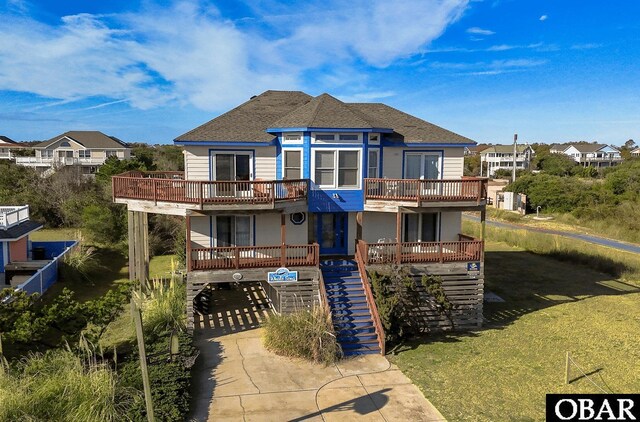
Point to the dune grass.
(503, 371)
(620, 264)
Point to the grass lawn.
(44, 235)
(503, 371)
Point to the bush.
(79, 264)
(105, 224)
(304, 334)
(59, 386)
(163, 306)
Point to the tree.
(556, 164)
(106, 224)
(472, 165)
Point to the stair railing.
(377, 324)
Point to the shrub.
(59, 386)
(80, 264)
(163, 306)
(304, 334)
(105, 224)
(397, 295)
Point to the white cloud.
(543, 18)
(189, 54)
(479, 31)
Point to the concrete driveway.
(236, 379)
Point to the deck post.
(483, 219)
(188, 251)
(138, 228)
(283, 240)
(398, 238)
(131, 240)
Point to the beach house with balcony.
(87, 150)
(8, 148)
(500, 157)
(591, 154)
(288, 182)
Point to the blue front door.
(332, 233)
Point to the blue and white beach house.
(330, 188)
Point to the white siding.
(453, 161)
(351, 233)
(378, 225)
(268, 230)
(197, 162)
(450, 226)
(200, 229)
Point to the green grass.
(43, 235)
(504, 371)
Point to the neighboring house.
(26, 265)
(86, 149)
(8, 148)
(596, 155)
(287, 180)
(558, 148)
(474, 150)
(635, 152)
(501, 157)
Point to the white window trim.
(377, 151)
(437, 154)
(336, 139)
(377, 142)
(290, 142)
(284, 150)
(214, 229)
(335, 168)
(224, 151)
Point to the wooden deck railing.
(458, 190)
(368, 293)
(466, 249)
(171, 187)
(238, 257)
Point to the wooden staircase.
(350, 311)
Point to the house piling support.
(483, 220)
(399, 238)
(138, 226)
(283, 240)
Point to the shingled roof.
(88, 139)
(294, 109)
(584, 148)
(8, 143)
(249, 121)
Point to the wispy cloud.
(479, 31)
(494, 67)
(188, 53)
(587, 46)
(543, 18)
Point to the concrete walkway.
(236, 379)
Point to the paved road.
(623, 246)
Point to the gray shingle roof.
(7, 142)
(294, 109)
(248, 122)
(88, 139)
(504, 149)
(587, 147)
(324, 111)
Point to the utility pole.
(515, 153)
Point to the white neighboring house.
(85, 149)
(8, 148)
(501, 157)
(635, 152)
(595, 155)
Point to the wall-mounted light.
(336, 196)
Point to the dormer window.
(326, 138)
(349, 137)
(374, 138)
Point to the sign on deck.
(473, 268)
(282, 274)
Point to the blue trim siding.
(306, 149)
(224, 143)
(322, 200)
(327, 129)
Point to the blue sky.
(552, 71)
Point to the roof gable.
(90, 139)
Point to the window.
(347, 169)
(292, 164)
(337, 168)
(46, 153)
(325, 168)
(373, 163)
(374, 138)
(325, 137)
(233, 231)
(349, 137)
(84, 153)
(65, 144)
(420, 227)
(291, 138)
(112, 154)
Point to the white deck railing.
(66, 161)
(11, 216)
